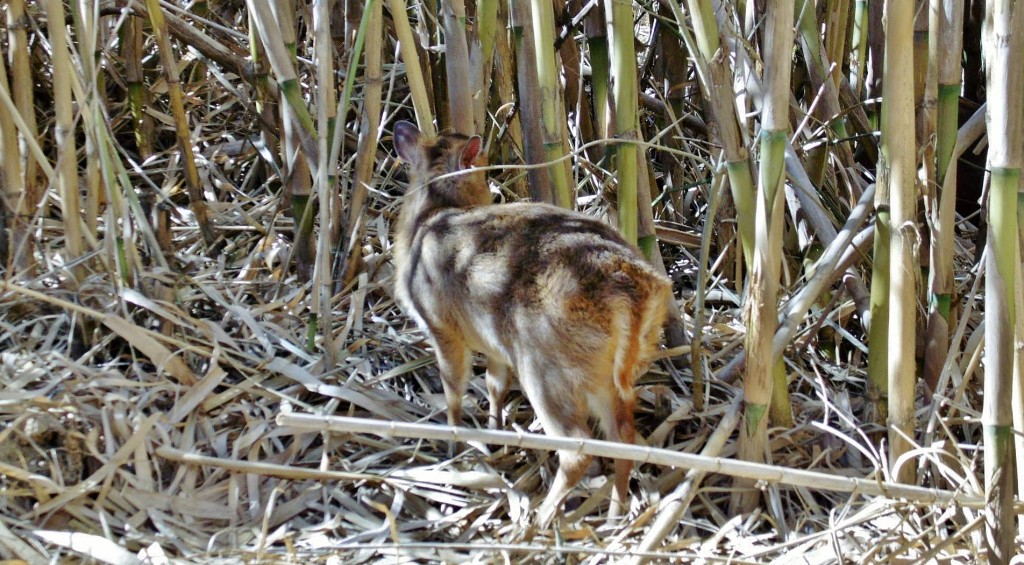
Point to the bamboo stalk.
(716, 80)
(181, 129)
(12, 185)
(22, 92)
(619, 14)
(900, 158)
(280, 58)
(761, 307)
(368, 138)
(600, 64)
(949, 34)
(643, 454)
(481, 58)
(84, 19)
(858, 68)
(456, 60)
(64, 136)
(413, 71)
(1004, 50)
(552, 114)
(321, 312)
(529, 101)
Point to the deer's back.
(517, 278)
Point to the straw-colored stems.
(552, 114)
(878, 333)
(181, 129)
(85, 31)
(899, 158)
(761, 308)
(131, 55)
(369, 123)
(672, 507)
(271, 35)
(1004, 49)
(600, 63)
(837, 17)
(456, 60)
(11, 180)
(481, 58)
(826, 108)
(22, 92)
(529, 101)
(716, 80)
(321, 312)
(413, 71)
(64, 135)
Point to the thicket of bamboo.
(199, 203)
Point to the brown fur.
(555, 295)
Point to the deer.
(553, 296)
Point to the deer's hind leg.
(454, 361)
(499, 378)
(562, 412)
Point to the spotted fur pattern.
(554, 296)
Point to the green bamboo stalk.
(552, 114)
(900, 158)
(827, 108)
(761, 308)
(624, 98)
(1004, 49)
(716, 80)
(176, 99)
(131, 54)
(280, 58)
(413, 71)
(949, 34)
(858, 68)
(64, 136)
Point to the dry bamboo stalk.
(23, 95)
(320, 310)
(900, 158)
(369, 123)
(456, 60)
(67, 178)
(12, 185)
(754, 471)
(672, 507)
(552, 111)
(528, 98)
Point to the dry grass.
(139, 409)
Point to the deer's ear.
(470, 151)
(407, 140)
